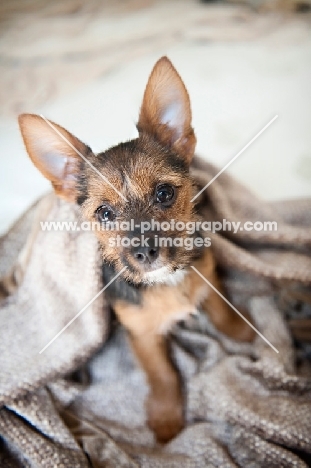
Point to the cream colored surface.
(85, 65)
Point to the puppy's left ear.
(55, 152)
(165, 112)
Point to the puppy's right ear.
(55, 152)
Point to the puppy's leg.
(223, 316)
(220, 313)
(165, 401)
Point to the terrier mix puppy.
(158, 287)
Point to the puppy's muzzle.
(146, 254)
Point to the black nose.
(145, 254)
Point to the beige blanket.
(80, 402)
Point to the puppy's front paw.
(165, 415)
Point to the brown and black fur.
(161, 154)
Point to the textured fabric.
(80, 403)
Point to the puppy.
(145, 180)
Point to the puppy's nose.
(145, 254)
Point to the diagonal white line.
(82, 310)
(235, 310)
(235, 157)
(83, 157)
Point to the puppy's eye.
(165, 194)
(104, 214)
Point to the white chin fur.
(164, 276)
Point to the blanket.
(80, 402)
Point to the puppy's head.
(145, 180)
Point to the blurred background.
(84, 64)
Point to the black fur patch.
(82, 188)
(120, 289)
(177, 163)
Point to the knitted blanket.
(80, 402)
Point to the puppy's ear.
(55, 152)
(165, 112)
